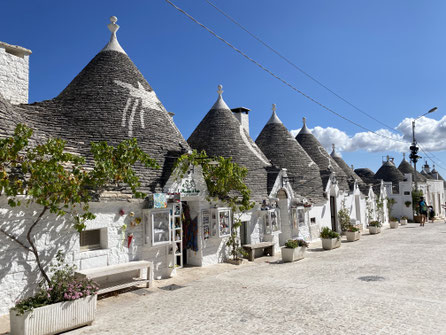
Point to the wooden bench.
(267, 247)
(108, 284)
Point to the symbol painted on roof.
(138, 96)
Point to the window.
(90, 239)
(220, 222)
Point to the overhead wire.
(278, 77)
(286, 59)
(297, 67)
(283, 81)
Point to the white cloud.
(430, 133)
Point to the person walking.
(423, 211)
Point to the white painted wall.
(14, 73)
(18, 272)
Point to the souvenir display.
(160, 227)
(159, 200)
(224, 223)
(206, 232)
(206, 223)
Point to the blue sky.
(386, 57)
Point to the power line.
(297, 67)
(284, 81)
(279, 78)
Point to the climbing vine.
(225, 182)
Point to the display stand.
(177, 235)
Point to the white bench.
(108, 284)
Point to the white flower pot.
(353, 235)
(170, 272)
(374, 230)
(293, 254)
(403, 222)
(331, 243)
(55, 318)
(394, 224)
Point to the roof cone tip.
(274, 118)
(304, 129)
(113, 44)
(220, 103)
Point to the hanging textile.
(190, 229)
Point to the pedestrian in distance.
(431, 214)
(423, 211)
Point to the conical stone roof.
(284, 151)
(110, 100)
(405, 167)
(351, 175)
(221, 134)
(321, 157)
(389, 173)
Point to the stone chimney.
(14, 73)
(241, 113)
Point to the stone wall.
(18, 271)
(14, 73)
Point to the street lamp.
(414, 149)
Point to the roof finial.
(220, 89)
(113, 27)
(333, 146)
(113, 44)
(274, 108)
(404, 156)
(304, 119)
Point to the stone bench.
(267, 247)
(107, 274)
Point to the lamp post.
(414, 149)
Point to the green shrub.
(404, 218)
(352, 229)
(394, 219)
(292, 244)
(375, 224)
(328, 233)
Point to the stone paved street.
(322, 294)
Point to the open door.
(333, 212)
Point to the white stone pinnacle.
(220, 103)
(113, 44)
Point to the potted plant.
(375, 227)
(403, 220)
(170, 271)
(330, 239)
(294, 250)
(393, 223)
(65, 303)
(353, 233)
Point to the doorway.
(333, 213)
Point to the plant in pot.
(394, 222)
(416, 198)
(53, 307)
(330, 239)
(294, 250)
(344, 217)
(403, 220)
(352, 233)
(375, 227)
(60, 186)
